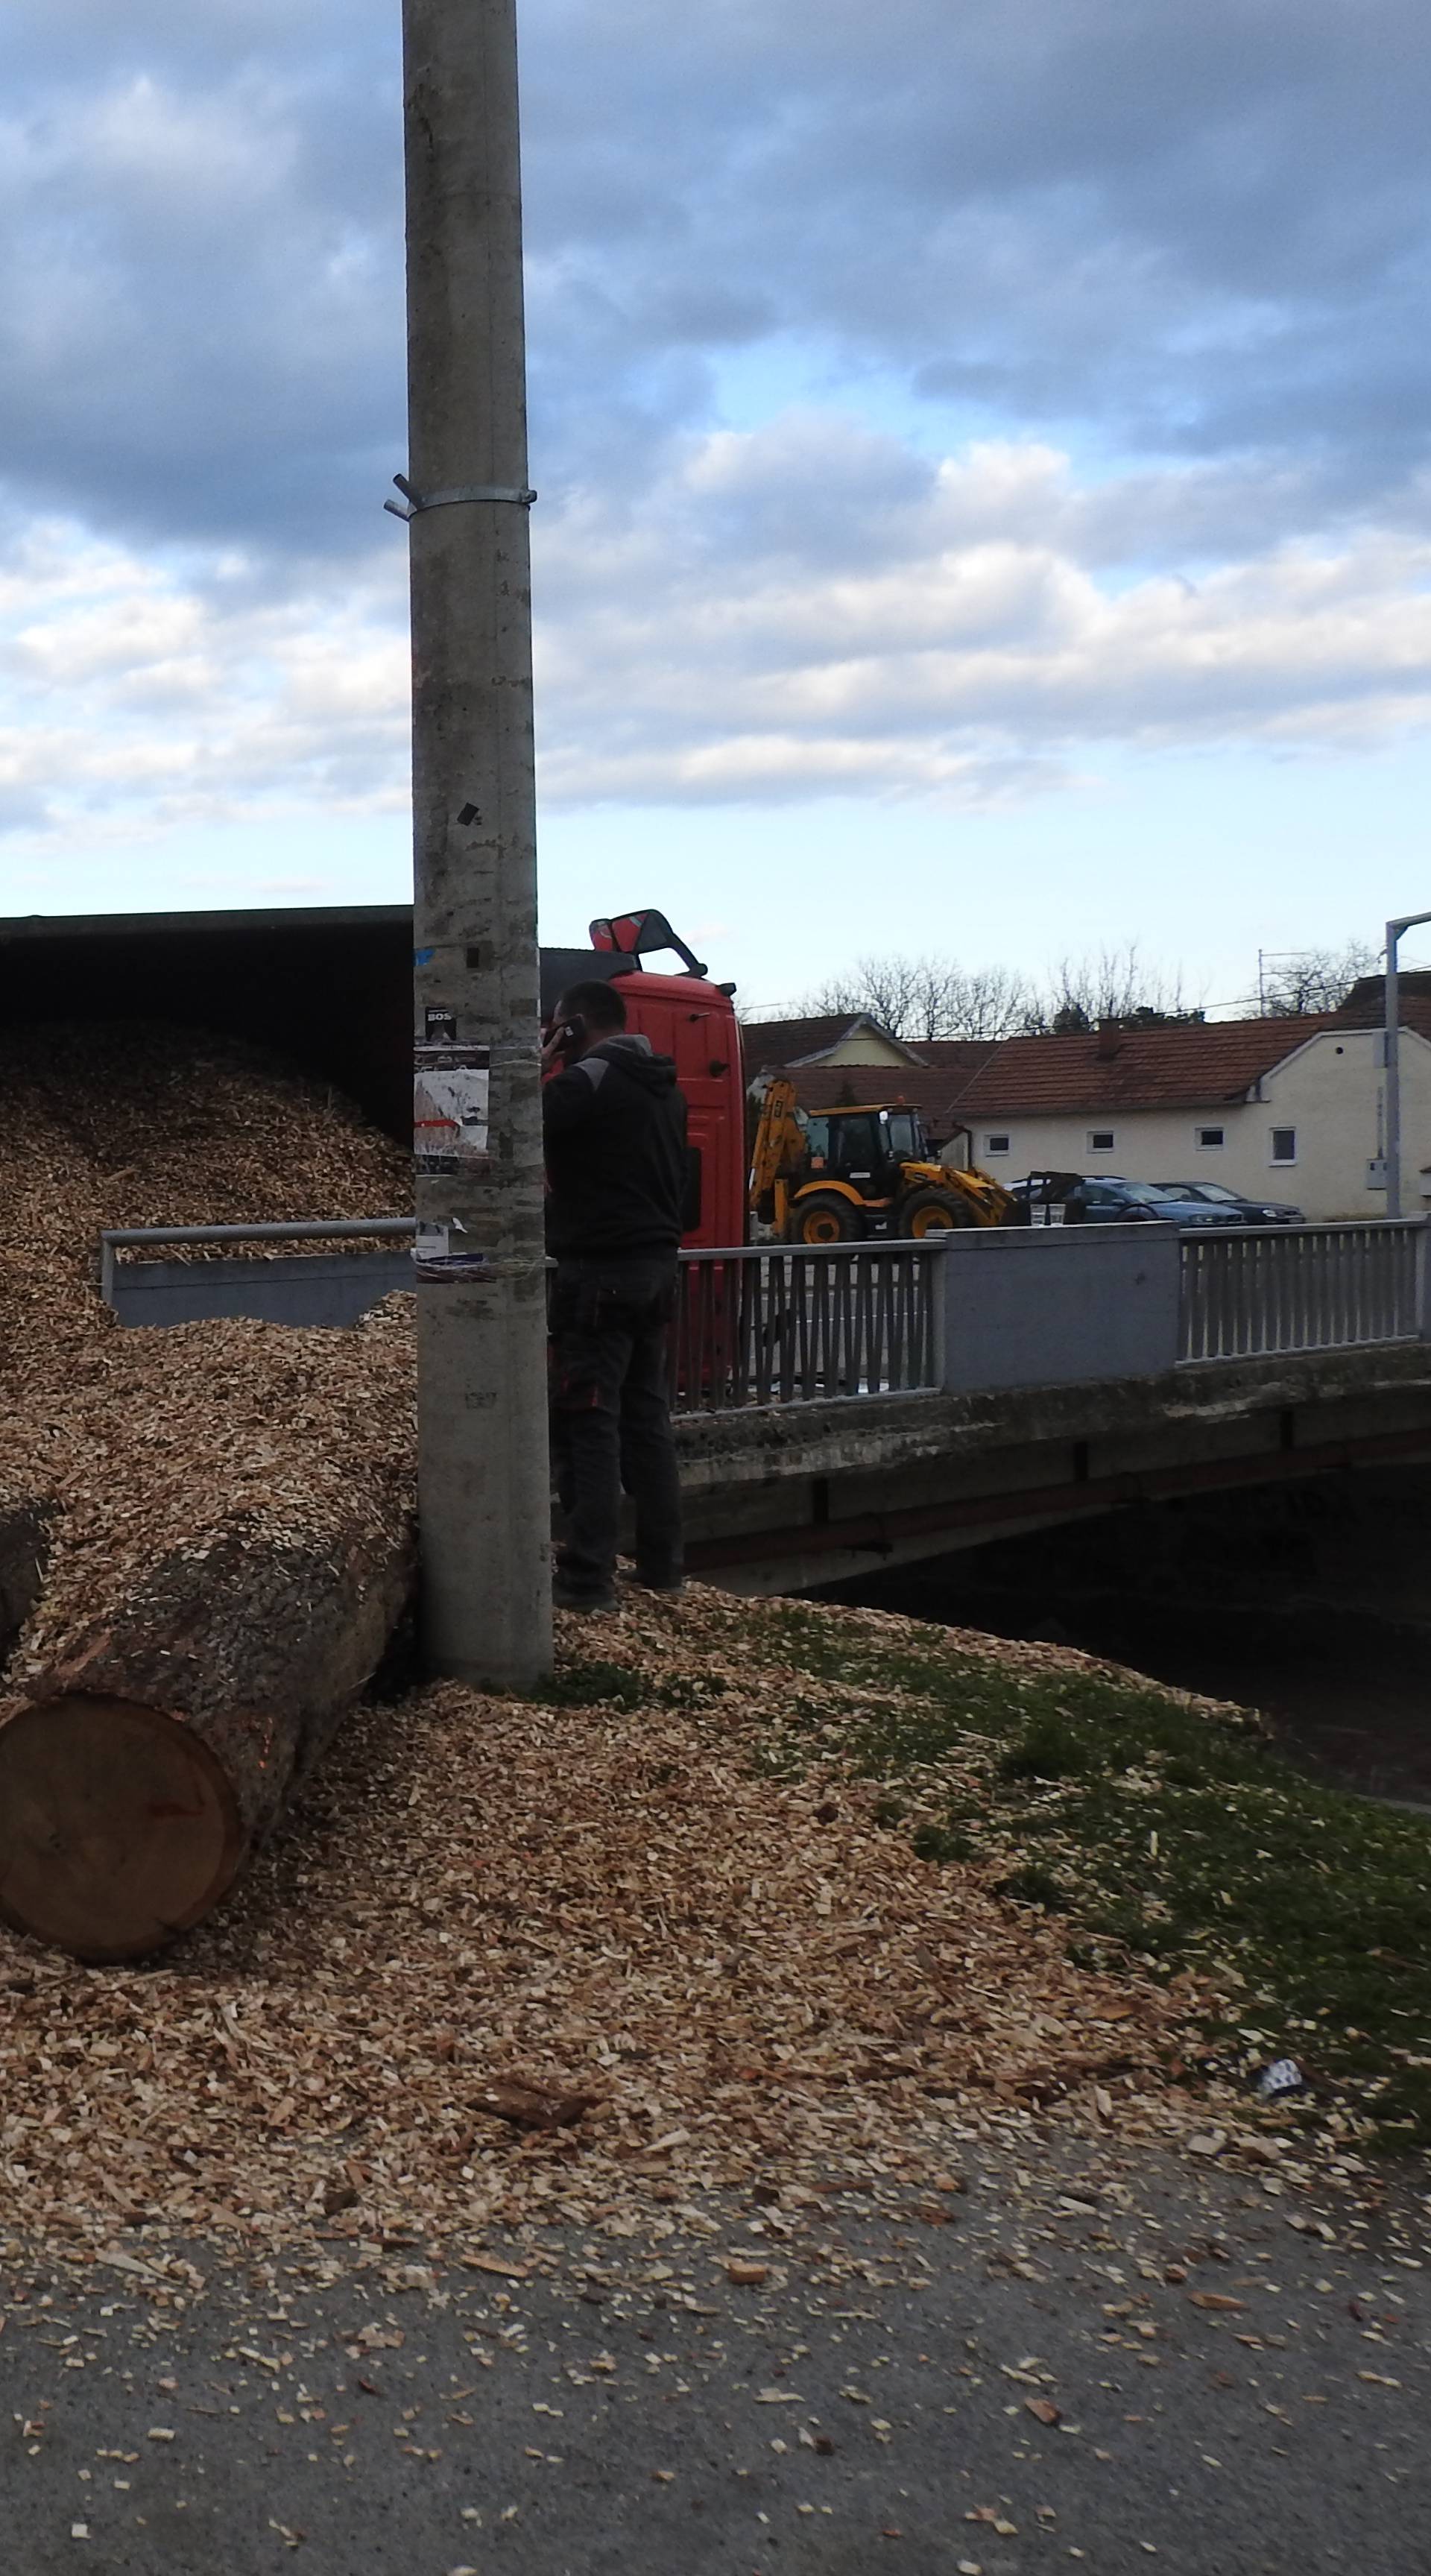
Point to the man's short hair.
(600, 1005)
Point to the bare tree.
(920, 999)
(1314, 979)
(1114, 985)
(984, 1002)
(886, 987)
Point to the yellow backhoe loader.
(840, 1174)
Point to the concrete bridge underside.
(787, 1498)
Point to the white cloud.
(140, 695)
(797, 611)
(1198, 228)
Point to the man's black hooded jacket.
(615, 1136)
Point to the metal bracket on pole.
(411, 502)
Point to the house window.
(1101, 1140)
(1284, 1145)
(996, 1144)
(1211, 1139)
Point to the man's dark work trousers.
(611, 1423)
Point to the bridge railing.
(1280, 1289)
(771, 1325)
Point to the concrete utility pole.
(1394, 930)
(481, 1287)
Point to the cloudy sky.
(983, 457)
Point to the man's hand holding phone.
(562, 1043)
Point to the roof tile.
(1189, 1064)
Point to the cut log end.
(118, 1828)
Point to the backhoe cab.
(842, 1174)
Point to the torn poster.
(449, 1108)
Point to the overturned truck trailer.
(329, 992)
(329, 989)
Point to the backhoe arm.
(778, 1153)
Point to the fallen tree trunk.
(142, 1768)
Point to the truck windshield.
(906, 1143)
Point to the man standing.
(615, 1140)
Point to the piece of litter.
(1282, 2077)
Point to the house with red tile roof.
(1289, 1110)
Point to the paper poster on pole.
(450, 1108)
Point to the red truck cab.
(687, 1017)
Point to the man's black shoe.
(669, 1584)
(564, 1597)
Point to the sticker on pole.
(449, 1108)
(435, 1256)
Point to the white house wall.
(1332, 1091)
(862, 1046)
(1329, 1091)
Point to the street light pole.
(484, 1495)
(1392, 1051)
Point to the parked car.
(1253, 1211)
(1075, 1198)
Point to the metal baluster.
(772, 1286)
(843, 1273)
(1220, 1302)
(877, 1376)
(791, 1273)
(708, 1356)
(735, 1376)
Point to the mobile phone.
(569, 1035)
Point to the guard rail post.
(1423, 1279)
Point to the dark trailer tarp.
(330, 989)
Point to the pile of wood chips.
(485, 1913)
(490, 1913)
(147, 1439)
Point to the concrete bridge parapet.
(781, 1498)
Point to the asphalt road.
(1003, 2380)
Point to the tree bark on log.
(140, 1773)
(24, 1547)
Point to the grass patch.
(1157, 1830)
(1034, 1886)
(1051, 1748)
(590, 1683)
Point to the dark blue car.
(1070, 1198)
(1253, 1211)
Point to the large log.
(141, 1771)
(24, 1546)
